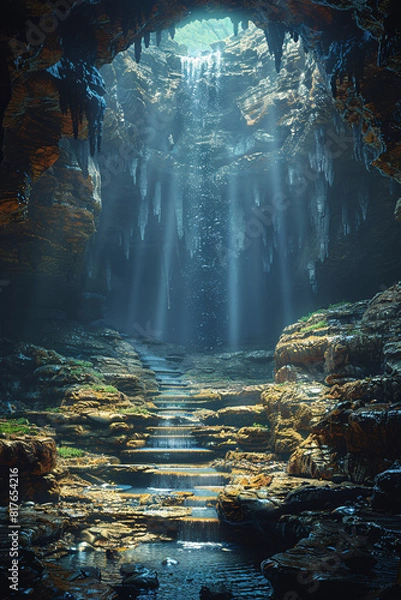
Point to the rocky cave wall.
(274, 161)
(53, 52)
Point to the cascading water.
(201, 555)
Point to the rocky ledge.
(332, 507)
(310, 460)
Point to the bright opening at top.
(200, 35)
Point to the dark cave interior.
(200, 334)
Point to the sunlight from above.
(200, 35)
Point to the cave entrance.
(223, 187)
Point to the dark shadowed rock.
(215, 592)
(387, 490)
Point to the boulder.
(135, 578)
(387, 490)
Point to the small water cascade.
(178, 464)
(171, 442)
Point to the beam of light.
(235, 244)
(170, 227)
(280, 201)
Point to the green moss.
(108, 389)
(52, 409)
(135, 410)
(260, 426)
(82, 363)
(69, 452)
(306, 317)
(319, 325)
(21, 426)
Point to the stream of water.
(203, 554)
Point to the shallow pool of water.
(199, 564)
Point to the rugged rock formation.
(339, 391)
(354, 349)
(50, 198)
(332, 526)
(28, 463)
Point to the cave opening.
(233, 194)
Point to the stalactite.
(345, 221)
(132, 15)
(347, 57)
(179, 212)
(138, 49)
(275, 34)
(171, 31)
(81, 89)
(320, 215)
(363, 200)
(143, 178)
(158, 37)
(133, 169)
(322, 160)
(157, 201)
(146, 39)
(362, 151)
(143, 216)
(235, 21)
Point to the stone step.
(201, 500)
(183, 400)
(175, 430)
(170, 409)
(174, 395)
(186, 477)
(166, 371)
(168, 443)
(176, 384)
(168, 455)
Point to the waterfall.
(207, 66)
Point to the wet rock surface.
(309, 466)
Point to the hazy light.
(198, 36)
